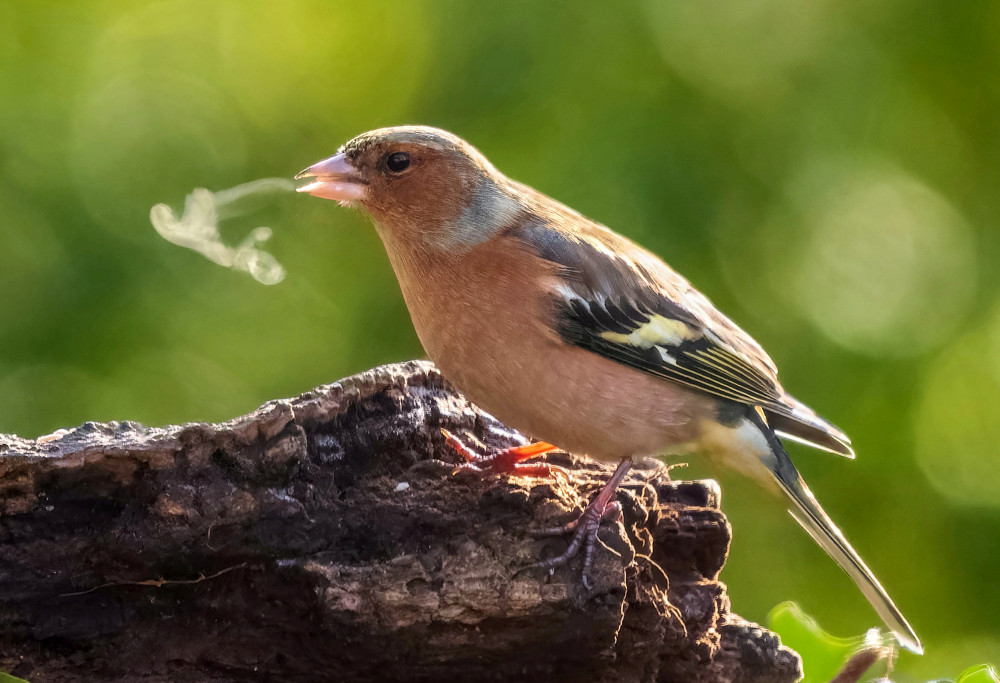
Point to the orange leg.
(506, 461)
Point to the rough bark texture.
(322, 538)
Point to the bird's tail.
(807, 512)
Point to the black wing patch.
(665, 344)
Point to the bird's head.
(420, 184)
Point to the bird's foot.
(583, 534)
(505, 461)
(584, 528)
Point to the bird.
(576, 336)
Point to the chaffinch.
(571, 333)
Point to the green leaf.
(7, 678)
(823, 655)
(984, 673)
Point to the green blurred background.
(827, 172)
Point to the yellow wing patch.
(659, 331)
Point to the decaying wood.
(322, 538)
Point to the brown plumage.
(467, 310)
(573, 334)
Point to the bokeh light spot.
(886, 267)
(957, 424)
(136, 138)
(747, 53)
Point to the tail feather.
(807, 512)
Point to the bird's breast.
(486, 318)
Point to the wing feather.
(624, 303)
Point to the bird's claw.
(506, 461)
(584, 530)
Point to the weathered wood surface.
(321, 538)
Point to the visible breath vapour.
(198, 229)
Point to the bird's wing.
(621, 301)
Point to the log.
(326, 538)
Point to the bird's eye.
(397, 162)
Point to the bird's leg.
(585, 527)
(506, 461)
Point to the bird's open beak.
(335, 178)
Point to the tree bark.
(324, 538)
